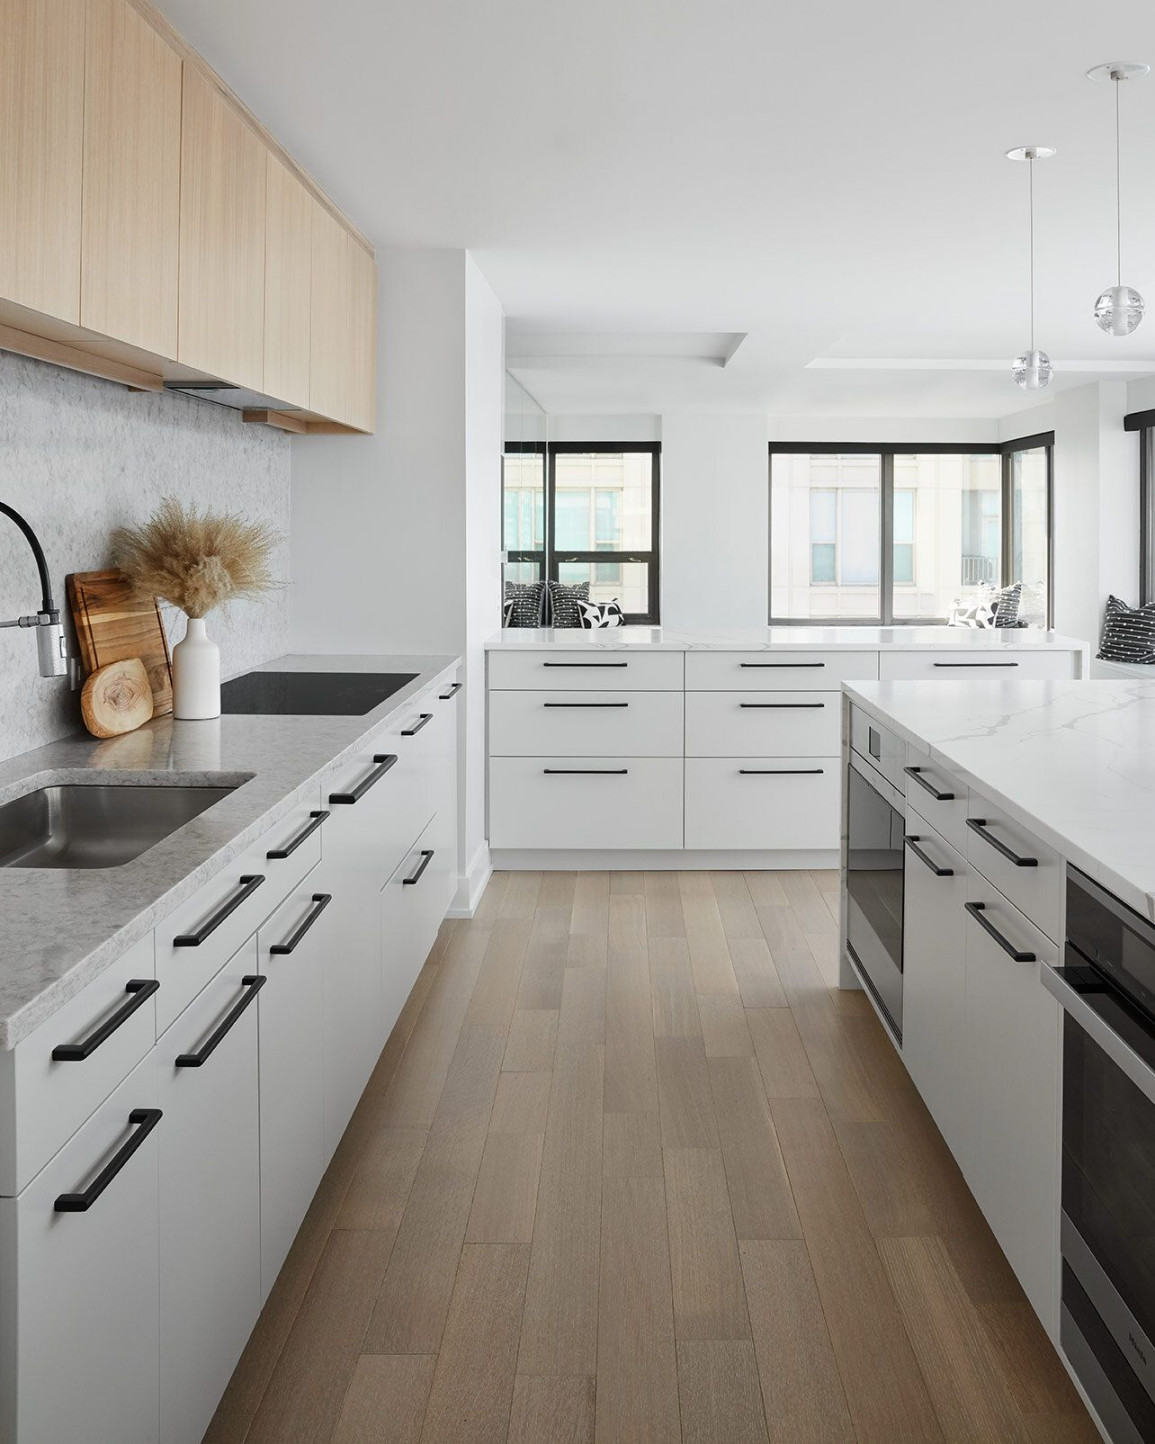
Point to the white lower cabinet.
(79, 1289)
(210, 1209)
(577, 802)
(293, 950)
(780, 803)
(412, 907)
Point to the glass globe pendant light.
(1031, 369)
(1119, 308)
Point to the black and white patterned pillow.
(973, 612)
(563, 603)
(523, 604)
(1128, 633)
(1007, 601)
(601, 614)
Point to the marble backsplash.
(79, 457)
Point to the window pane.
(522, 572)
(607, 519)
(523, 503)
(947, 529)
(1029, 529)
(621, 482)
(630, 586)
(824, 535)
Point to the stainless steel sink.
(95, 825)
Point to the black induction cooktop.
(311, 694)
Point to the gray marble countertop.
(766, 639)
(62, 927)
(1073, 761)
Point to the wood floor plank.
(637, 1378)
(505, 1196)
(519, 899)
(760, 1197)
(890, 1186)
(521, 1102)
(587, 950)
(793, 958)
(720, 1395)
(386, 1400)
(709, 1298)
(627, 927)
(814, 917)
(627, 882)
(389, 1061)
(591, 904)
(970, 1394)
(410, 1311)
(307, 1389)
(675, 999)
(758, 980)
(473, 1383)
(685, 1101)
(710, 959)
(582, 1018)
(663, 906)
(531, 1041)
(765, 889)
(735, 905)
(489, 907)
(884, 1386)
(1040, 1386)
(781, 1056)
(557, 890)
(631, 1145)
(631, 1070)
(491, 1004)
(552, 1409)
(725, 1031)
(801, 1388)
(380, 1187)
(845, 1085)
(551, 922)
(542, 972)
(559, 1332)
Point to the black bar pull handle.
(415, 876)
(585, 664)
(980, 825)
(454, 688)
(246, 887)
(251, 983)
(139, 991)
(781, 706)
(913, 844)
(143, 1121)
(780, 771)
(274, 854)
(585, 771)
(790, 666)
(977, 911)
(585, 704)
(321, 901)
(916, 773)
(384, 762)
(974, 664)
(423, 721)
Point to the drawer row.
(628, 802)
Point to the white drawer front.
(412, 908)
(775, 724)
(1034, 882)
(774, 803)
(604, 802)
(597, 669)
(995, 664)
(49, 1098)
(938, 797)
(596, 724)
(777, 671)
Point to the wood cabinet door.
(222, 238)
(41, 154)
(361, 296)
(131, 226)
(329, 348)
(288, 298)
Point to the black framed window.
(883, 535)
(582, 512)
(1144, 423)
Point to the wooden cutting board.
(114, 622)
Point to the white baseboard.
(665, 860)
(471, 887)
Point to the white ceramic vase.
(196, 675)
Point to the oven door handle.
(1100, 1032)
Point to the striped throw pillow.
(1128, 633)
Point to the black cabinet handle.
(274, 854)
(974, 664)
(782, 706)
(792, 666)
(979, 825)
(585, 664)
(454, 688)
(585, 704)
(913, 844)
(874, 743)
(384, 762)
(139, 990)
(423, 721)
(247, 886)
(916, 773)
(780, 771)
(585, 771)
(251, 983)
(415, 875)
(976, 911)
(143, 1120)
(322, 901)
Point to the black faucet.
(49, 632)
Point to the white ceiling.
(644, 182)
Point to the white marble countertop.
(1073, 761)
(62, 927)
(766, 639)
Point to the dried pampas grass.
(197, 560)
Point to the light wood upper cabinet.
(41, 148)
(288, 272)
(222, 238)
(361, 381)
(329, 359)
(131, 225)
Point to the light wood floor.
(631, 1169)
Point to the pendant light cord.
(1031, 192)
(1118, 191)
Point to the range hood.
(237, 398)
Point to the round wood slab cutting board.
(117, 698)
